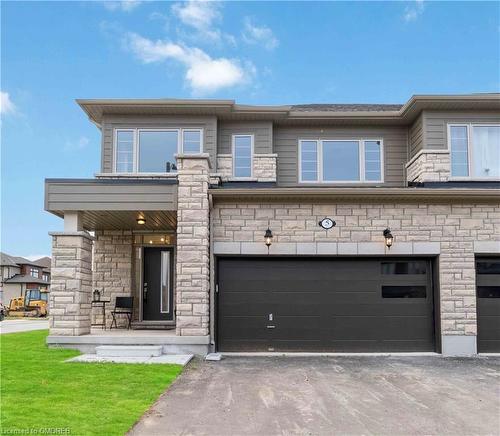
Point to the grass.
(41, 391)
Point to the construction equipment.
(33, 304)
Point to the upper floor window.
(340, 161)
(34, 272)
(153, 150)
(45, 277)
(475, 151)
(242, 155)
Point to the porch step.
(129, 350)
(137, 325)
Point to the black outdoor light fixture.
(141, 221)
(268, 237)
(389, 239)
(97, 295)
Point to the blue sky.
(253, 52)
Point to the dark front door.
(488, 304)
(325, 304)
(157, 284)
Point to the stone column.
(71, 283)
(192, 282)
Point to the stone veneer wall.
(264, 167)
(71, 283)
(192, 266)
(113, 269)
(429, 166)
(453, 227)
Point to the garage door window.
(412, 267)
(488, 267)
(404, 292)
(488, 291)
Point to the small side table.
(102, 305)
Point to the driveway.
(23, 325)
(330, 395)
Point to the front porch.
(168, 339)
(134, 239)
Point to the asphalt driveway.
(330, 395)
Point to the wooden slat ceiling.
(127, 220)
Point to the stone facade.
(450, 230)
(264, 167)
(71, 283)
(429, 166)
(113, 269)
(193, 267)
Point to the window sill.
(135, 175)
(474, 179)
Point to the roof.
(8, 260)
(434, 194)
(24, 278)
(45, 262)
(229, 110)
(346, 107)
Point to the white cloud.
(204, 75)
(412, 12)
(263, 35)
(123, 5)
(200, 15)
(80, 144)
(6, 104)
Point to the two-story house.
(323, 227)
(18, 274)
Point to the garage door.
(488, 305)
(321, 304)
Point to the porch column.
(71, 283)
(192, 266)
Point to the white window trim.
(201, 140)
(362, 175)
(470, 154)
(135, 147)
(233, 141)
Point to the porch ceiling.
(127, 220)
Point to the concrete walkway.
(330, 395)
(23, 325)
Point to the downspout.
(212, 273)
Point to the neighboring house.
(188, 189)
(19, 274)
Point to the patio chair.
(123, 306)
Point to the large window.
(34, 272)
(242, 155)
(153, 150)
(157, 149)
(340, 161)
(475, 151)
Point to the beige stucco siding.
(416, 138)
(286, 140)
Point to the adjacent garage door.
(488, 305)
(322, 304)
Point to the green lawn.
(39, 390)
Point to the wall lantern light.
(389, 239)
(268, 238)
(141, 221)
